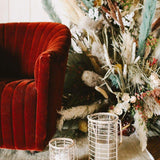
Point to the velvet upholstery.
(33, 59)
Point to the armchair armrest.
(49, 75)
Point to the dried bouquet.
(114, 61)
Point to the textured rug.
(6, 154)
(128, 150)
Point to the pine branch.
(145, 28)
(47, 5)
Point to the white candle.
(62, 156)
(105, 150)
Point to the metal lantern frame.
(62, 149)
(103, 140)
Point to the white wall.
(22, 11)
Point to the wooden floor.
(154, 147)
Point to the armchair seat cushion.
(18, 113)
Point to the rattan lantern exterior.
(103, 138)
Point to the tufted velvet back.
(25, 41)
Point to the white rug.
(128, 150)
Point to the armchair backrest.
(26, 41)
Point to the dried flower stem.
(105, 9)
(126, 126)
(156, 24)
(102, 91)
(103, 13)
(113, 9)
(113, 14)
(120, 19)
(95, 64)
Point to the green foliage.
(76, 64)
(75, 91)
(125, 4)
(47, 5)
(88, 3)
(115, 81)
(148, 14)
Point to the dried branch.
(104, 15)
(95, 64)
(156, 24)
(105, 9)
(102, 91)
(113, 9)
(120, 19)
(112, 13)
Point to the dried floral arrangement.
(114, 61)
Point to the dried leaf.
(156, 24)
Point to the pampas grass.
(128, 48)
(98, 51)
(151, 106)
(78, 112)
(89, 25)
(141, 129)
(136, 76)
(70, 10)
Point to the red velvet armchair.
(33, 59)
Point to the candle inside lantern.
(105, 150)
(62, 156)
